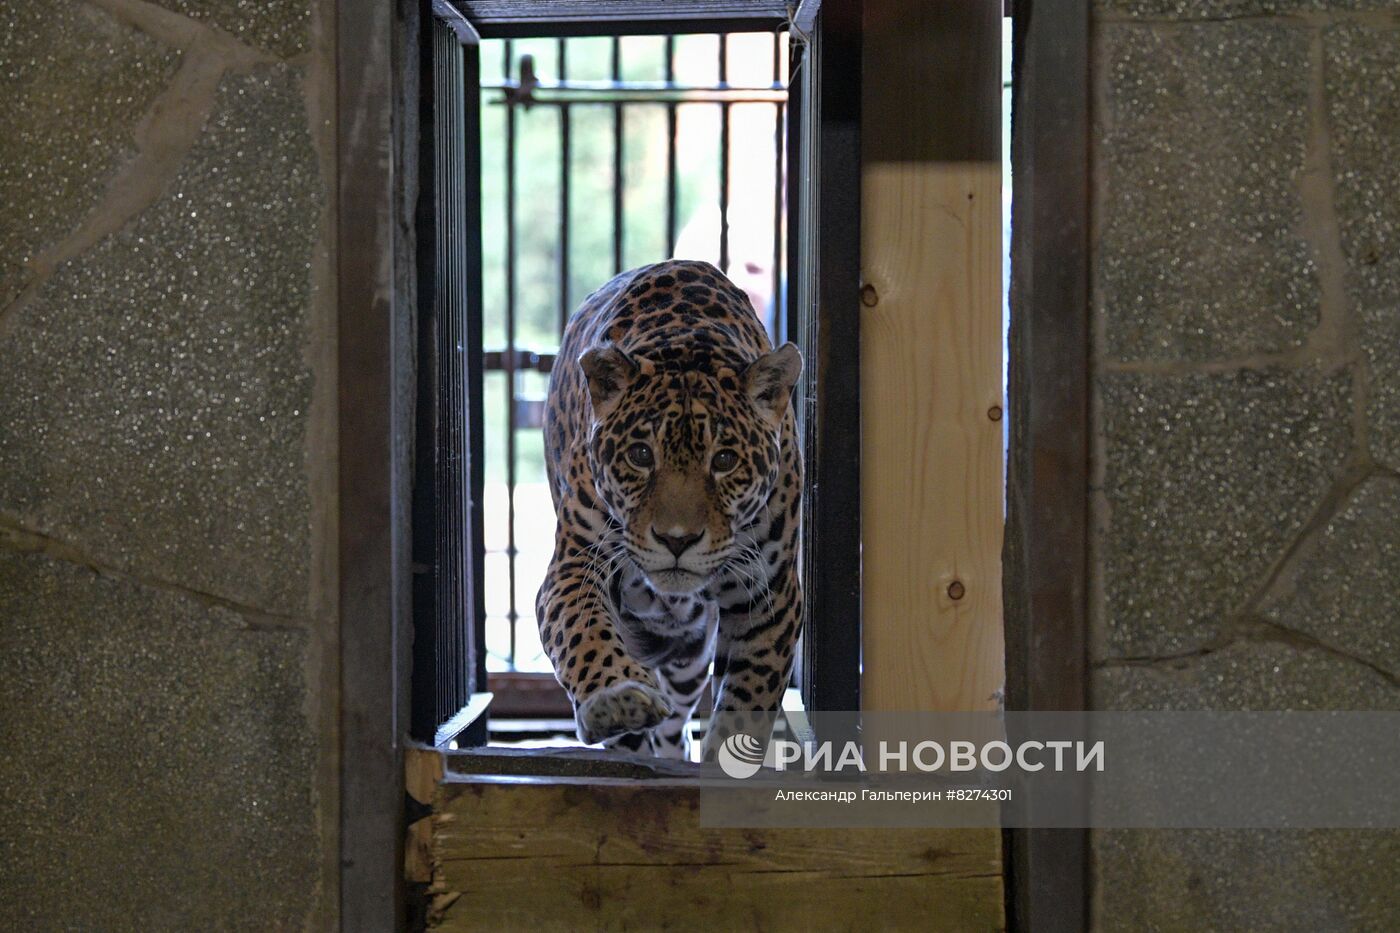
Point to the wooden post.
(931, 348)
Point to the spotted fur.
(685, 554)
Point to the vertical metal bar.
(447, 245)
(775, 325)
(796, 141)
(431, 648)
(565, 150)
(508, 360)
(672, 182)
(469, 248)
(724, 157)
(457, 610)
(617, 159)
(449, 526)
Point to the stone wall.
(166, 465)
(1246, 544)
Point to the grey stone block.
(1363, 95)
(76, 82)
(1249, 675)
(1186, 10)
(282, 27)
(1246, 880)
(154, 396)
(1207, 479)
(158, 760)
(1343, 587)
(1202, 255)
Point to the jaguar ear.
(610, 371)
(769, 381)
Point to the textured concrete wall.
(1247, 408)
(166, 465)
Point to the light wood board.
(632, 856)
(931, 362)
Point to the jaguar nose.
(677, 544)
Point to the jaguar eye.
(640, 456)
(724, 461)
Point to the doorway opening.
(601, 154)
(560, 157)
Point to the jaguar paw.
(626, 706)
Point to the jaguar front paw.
(627, 706)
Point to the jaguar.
(673, 460)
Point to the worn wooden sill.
(585, 840)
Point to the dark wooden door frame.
(1046, 553)
(378, 65)
(824, 191)
(1045, 556)
(376, 104)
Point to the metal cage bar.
(447, 590)
(724, 158)
(671, 180)
(565, 162)
(509, 358)
(618, 190)
(779, 166)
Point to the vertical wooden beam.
(826, 266)
(931, 375)
(376, 107)
(1048, 479)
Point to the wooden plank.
(545, 856)
(375, 57)
(1048, 477)
(931, 370)
(423, 770)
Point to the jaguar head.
(685, 459)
